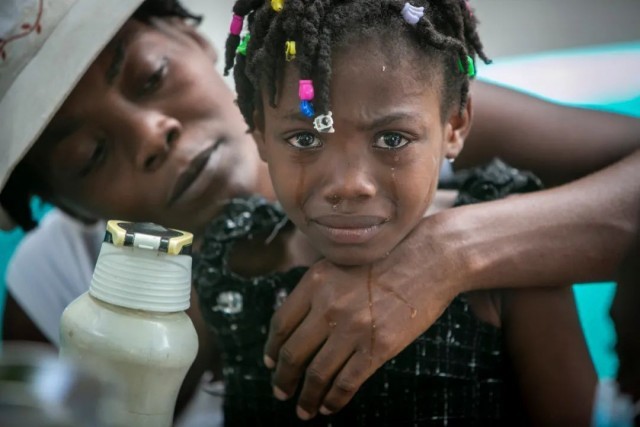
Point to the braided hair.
(25, 180)
(447, 32)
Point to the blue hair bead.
(306, 108)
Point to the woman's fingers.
(320, 374)
(286, 320)
(348, 381)
(296, 352)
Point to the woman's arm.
(549, 356)
(573, 233)
(558, 143)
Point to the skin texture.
(456, 250)
(340, 185)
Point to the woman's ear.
(457, 129)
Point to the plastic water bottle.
(132, 322)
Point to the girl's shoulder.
(492, 181)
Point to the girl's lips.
(349, 230)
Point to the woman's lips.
(193, 171)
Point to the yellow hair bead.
(290, 50)
(277, 5)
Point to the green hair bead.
(471, 67)
(242, 47)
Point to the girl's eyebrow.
(386, 120)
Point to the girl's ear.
(258, 135)
(457, 129)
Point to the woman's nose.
(154, 135)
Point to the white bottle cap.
(134, 271)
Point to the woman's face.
(358, 192)
(150, 133)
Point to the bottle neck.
(142, 279)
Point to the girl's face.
(358, 192)
(150, 133)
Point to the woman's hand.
(328, 331)
(340, 324)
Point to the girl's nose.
(349, 180)
(155, 134)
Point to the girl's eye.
(391, 141)
(97, 158)
(155, 79)
(304, 140)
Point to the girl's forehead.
(364, 95)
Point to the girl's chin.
(353, 257)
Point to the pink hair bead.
(305, 90)
(236, 25)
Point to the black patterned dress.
(455, 374)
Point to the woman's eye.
(391, 141)
(97, 157)
(154, 81)
(304, 140)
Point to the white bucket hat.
(45, 48)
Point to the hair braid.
(471, 35)
(309, 39)
(241, 8)
(324, 70)
(321, 27)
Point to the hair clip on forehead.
(277, 5)
(412, 14)
(324, 123)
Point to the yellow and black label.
(147, 235)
